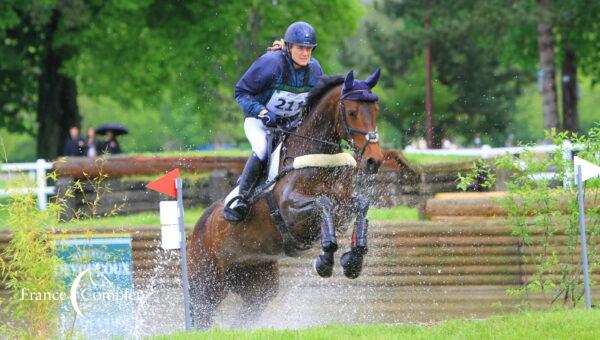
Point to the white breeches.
(256, 132)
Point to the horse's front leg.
(324, 263)
(352, 260)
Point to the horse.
(311, 197)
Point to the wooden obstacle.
(477, 205)
(414, 271)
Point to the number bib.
(286, 104)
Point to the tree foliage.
(483, 89)
(483, 51)
(143, 54)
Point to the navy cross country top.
(274, 84)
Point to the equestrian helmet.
(301, 33)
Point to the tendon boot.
(238, 207)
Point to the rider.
(271, 92)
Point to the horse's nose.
(372, 165)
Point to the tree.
(463, 58)
(577, 25)
(487, 50)
(547, 64)
(34, 80)
(566, 40)
(152, 52)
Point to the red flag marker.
(166, 184)
(171, 185)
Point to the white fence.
(487, 152)
(36, 171)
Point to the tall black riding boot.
(237, 209)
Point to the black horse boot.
(237, 208)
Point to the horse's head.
(358, 109)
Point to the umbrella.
(116, 129)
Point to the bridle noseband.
(372, 137)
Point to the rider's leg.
(238, 208)
(256, 132)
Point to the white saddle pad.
(306, 161)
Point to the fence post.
(40, 171)
(568, 158)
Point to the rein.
(305, 137)
(372, 137)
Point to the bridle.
(372, 137)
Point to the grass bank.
(150, 218)
(435, 159)
(573, 324)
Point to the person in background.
(74, 144)
(477, 140)
(92, 144)
(111, 145)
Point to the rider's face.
(300, 54)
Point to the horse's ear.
(349, 81)
(373, 79)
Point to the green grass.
(574, 324)
(434, 159)
(398, 213)
(149, 218)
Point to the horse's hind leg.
(324, 263)
(257, 285)
(207, 291)
(352, 260)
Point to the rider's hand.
(277, 45)
(268, 118)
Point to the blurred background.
(501, 72)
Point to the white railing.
(38, 169)
(487, 151)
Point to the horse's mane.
(324, 85)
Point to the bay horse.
(307, 202)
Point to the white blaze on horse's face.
(363, 116)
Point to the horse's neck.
(319, 124)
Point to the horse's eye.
(352, 113)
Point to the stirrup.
(234, 214)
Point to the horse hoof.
(352, 264)
(324, 265)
